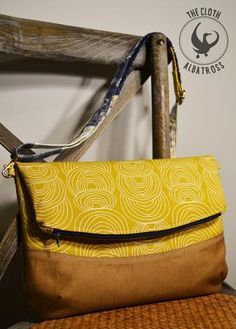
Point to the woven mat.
(213, 311)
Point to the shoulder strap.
(21, 154)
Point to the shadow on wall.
(128, 137)
(17, 64)
(80, 117)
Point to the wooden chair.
(100, 49)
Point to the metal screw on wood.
(161, 42)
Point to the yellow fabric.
(119, 198)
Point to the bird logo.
(203, 47)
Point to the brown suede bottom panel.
(60, 285)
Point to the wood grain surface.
(64, 43)
(9, 245)
(160, 97)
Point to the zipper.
(58, 234)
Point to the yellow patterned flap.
(122, 197)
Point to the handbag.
(103, 235)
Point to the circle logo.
(203, 40)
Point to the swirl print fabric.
(123, 197)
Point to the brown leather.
(60, 285)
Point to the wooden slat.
(160, 97)
(44, 40)
(9, 245)
(7, 139)
(11, 240)
(131, 86)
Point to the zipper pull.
(8, 170)
(57, 236)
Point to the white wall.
(32, 105)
